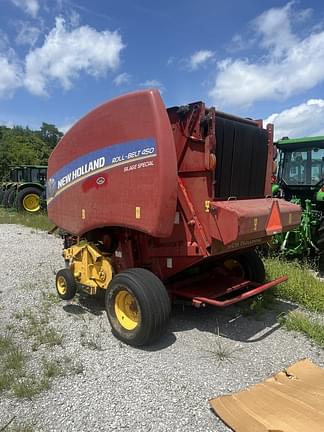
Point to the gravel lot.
(109, 386)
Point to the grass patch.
(37, 328)
(256, 306)
(13, 426)
(29, 387)
(298, 321)
(301, 288)
(20, 427)
(14, 375)
(12, 361)
(37, 221)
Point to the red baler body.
(162, 180)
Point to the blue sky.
(261, 59)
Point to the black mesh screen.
(241, 152)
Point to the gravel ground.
(109, 386)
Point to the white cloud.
(10, 76)
(31, 7)
(123, 78)
(153, 83)
(199, 58)
(301, 120)
(290, 65)
(66, 53)
(274, 28)
(27, 34)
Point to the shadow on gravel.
(230, 322)
(236, 322)
(85, 304)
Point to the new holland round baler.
(161, 204)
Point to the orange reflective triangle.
(274, 224)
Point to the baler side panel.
(116, 167)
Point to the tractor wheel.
(11, 198)
(320, 245)
(65, 284)
(138, 306)
(1, 194)
(5, 197)
(28, 200)
(247, 265)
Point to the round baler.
(159, 204)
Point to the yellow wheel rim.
(235, 268)
(61, 285)
(126, 310)
(31, 202)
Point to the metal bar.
(192, 219)
(236, 299)
(235, 118)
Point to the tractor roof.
(29, 166)
(299, 143)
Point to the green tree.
(23, 146)
(50, 134)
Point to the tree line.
(23, 146)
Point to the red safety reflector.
(274, 224)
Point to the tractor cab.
(301, 169)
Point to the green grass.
(312, 328)
(12, 361)
(13, 426)
(37, 221)
(37, 327)
(29, 387)
(301, 288)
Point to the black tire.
(150, 302)
(100, 296)
(11, 198)
(23, 194)
(5, 197)
(65, 284)
(1, 195)
(253, 266)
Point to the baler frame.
(166, 219)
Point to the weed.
(302, 287)
(221, 351)
(15, 359)
(50, 298)
(258, 305)
(12, 362)
(20, 427)
(51, 369)
(37, 328)
(89, 338)
(300, 322)
(29, 387)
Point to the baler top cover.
(116, 166)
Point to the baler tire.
(147, 312)
(253, 266)
(21, 196)
(65, 284)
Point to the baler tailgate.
(219, 295)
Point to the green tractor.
(300, 179)
(25, 188)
